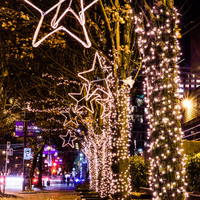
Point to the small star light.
(54, 23)
(106, 112)
(70, 116)
(106, 90)
(129, 81)
(68, 139)
(81, 101)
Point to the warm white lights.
(129, 81)
(80, 99)
(70, 116)
(68, 139)
(159, 48)
(93, 83)
(187, 103)
(106, 143)
(55, 22)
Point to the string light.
(69, 138)
(54, 23)
(70, 116)
(159, 47)
(108, 148)
(91, 83)
(129, 81)
(82, 100)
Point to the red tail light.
(34, 180)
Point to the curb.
(28, 192)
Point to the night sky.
(189, 21)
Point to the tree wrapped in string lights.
(160, 49)
(125, 39)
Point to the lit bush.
(193, 174)
(139, 171)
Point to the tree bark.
(36, 153)
(39, 185)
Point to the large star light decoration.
(105, 91)
(81, 100)
(70, 117)
(68, 139)
(55, 22)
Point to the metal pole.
(24, 162)
(4, 182)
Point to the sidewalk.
(54, 192)
(48, 195)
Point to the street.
(56, 191)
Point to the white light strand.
(159, 47)
(55, 22)
(70, 139)
(90, 92)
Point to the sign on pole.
(27, 153)
(19, 129)
(31, 127)
(10, 152)
(8, 144)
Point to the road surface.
(56, 191)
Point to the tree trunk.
(120, 144)
(160, 49)
(39, 151)
(106, 174)
(32, 172)
(92, 169)
(40, 171)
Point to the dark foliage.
(139, 171)
(193, 174)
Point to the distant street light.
(189, 106)
(187, 103)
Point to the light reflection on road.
(14, 184)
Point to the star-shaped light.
(91, 84)
(55, 22)
(106, 112)
(81, 101)
(70, 116)
(68, 139)
(129, 81)
(80, 16)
